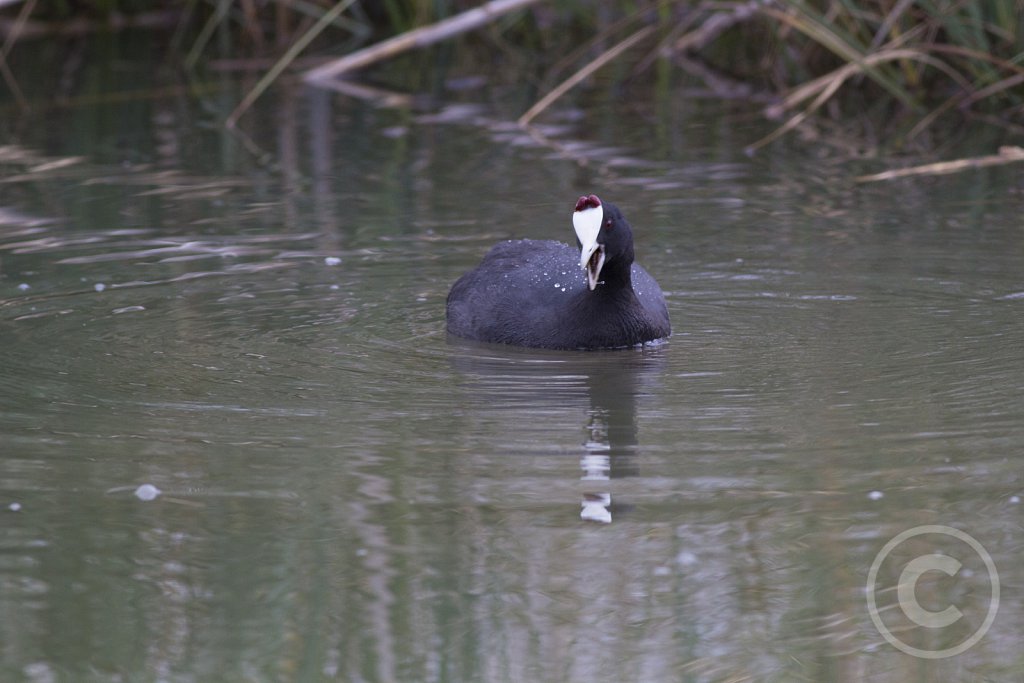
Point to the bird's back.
(534, 293)
(517, 287)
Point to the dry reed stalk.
(290, 54)
(420, 37)
(827, 85)
(717, 24)
(830, 40)
(1006, 155)
(590, 68)
(5, 69)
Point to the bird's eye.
(608, 223)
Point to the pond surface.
(237, 443)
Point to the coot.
(545, 294)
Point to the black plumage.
(535, 293)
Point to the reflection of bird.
(544, 294)
(535, 393)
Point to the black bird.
(545, 294)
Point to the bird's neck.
(616, 276)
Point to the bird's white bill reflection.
(596, 467)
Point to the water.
(238, 444)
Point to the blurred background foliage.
(890, 68)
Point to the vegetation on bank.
(895, 66)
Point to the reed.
(910, 63)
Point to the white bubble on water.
(686, 558)
(147, 492)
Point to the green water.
(253, 323)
